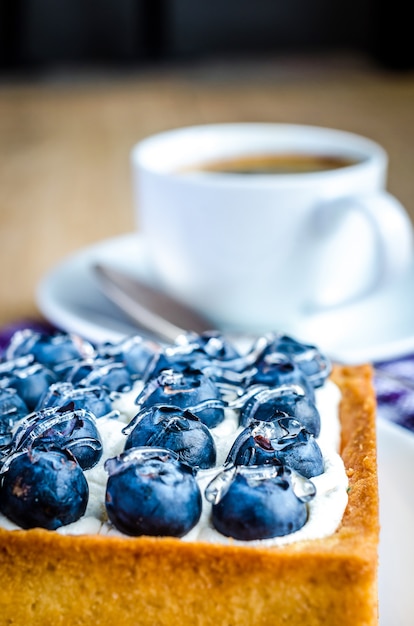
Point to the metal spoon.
(148, 307)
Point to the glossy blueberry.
(136, 353)
(265, 404)
(209, 350)
(107, 373)
(257, 503)
(50, 350)
(301, 408)
(150, 492)
(11, 403)
(95, 399)
(12, 409)
(32, 382)
(315, 365)
(174, 429)
(276, 369)
(211, 343)
(284, 439)
(64, 429)
(187, 389)
(43, 488)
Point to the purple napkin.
(394, 384)
(394, 379)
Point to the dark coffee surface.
(274, 164)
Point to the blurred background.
(42, 34)
(81, 81)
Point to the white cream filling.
(325, 511)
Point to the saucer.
(377, 327)
(69, 296)
(396, 549)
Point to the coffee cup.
(260, 226)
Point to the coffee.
(283, 163)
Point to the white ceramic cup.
(266, 251)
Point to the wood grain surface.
(65, 142)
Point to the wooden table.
(65, 143)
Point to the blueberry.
(12, 409)
(187, 389)
(301, 408)
(32, 382)
(43, 488)
(284, 439)
(150, 492)
(314, 365)
(12, 404)
(64, 429)
(136, 353)
(95, 399)
(208, 350)
(277, 369)
(174, 429)
(211, 343)
(264, 404)
(107, 373)
(50, 350)
(257, 503)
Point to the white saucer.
(396, 553)
(377, 327)
(69, 297)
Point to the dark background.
(39, 35)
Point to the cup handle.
(392, 234)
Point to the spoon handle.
(148, 307)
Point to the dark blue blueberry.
(211, 343)
(163, 362)
(12, 409)
(50, 350)
(174, 429)
(95, 399)
(43, 488)
(257, 503)
(108, 373)
(62, 428)
(301, 408)
(136, 353)
(210, 350)
(12, 404)
(277, 369)
(32, 382)
(284, 439)
(187, 389)
(150, 492)
(264, 404)
(315, 365)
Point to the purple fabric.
(394, 384)
(394, 379)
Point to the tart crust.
(52, 579)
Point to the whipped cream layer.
(325, 511)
